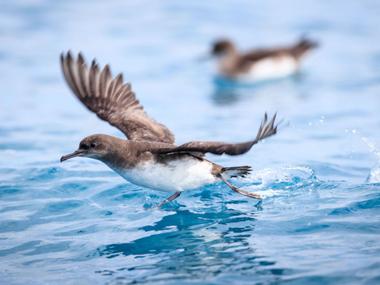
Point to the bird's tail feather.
(236, 171)
(303, 46)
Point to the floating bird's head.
(222, 47)
(95, 146)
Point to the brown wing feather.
(296, 50)
(111, 100)
(259, 54)
(267, 128)
(246, 60)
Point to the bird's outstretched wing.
(267, 128)
(111, 99)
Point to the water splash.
(272, 182)
(374, 175)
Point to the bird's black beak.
(78, 152)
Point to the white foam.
(265, 179)
(374, 175)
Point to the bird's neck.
(120, 155)
(127, 155)
(228, 62)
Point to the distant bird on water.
(262, 63)
(149, 157)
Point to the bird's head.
(222, 47)
(94, 146)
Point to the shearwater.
(260, 63)
(149, 156)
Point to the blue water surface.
(79, 223)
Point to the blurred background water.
(79, 223)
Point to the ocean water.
(79, 223)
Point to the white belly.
(271, 68)
(178, 175)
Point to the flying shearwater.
(259, 64)
(149, 156)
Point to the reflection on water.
(225, 96)
(79, 223)
(227, 92)
(195, 245)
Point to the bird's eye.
(93, 145)
(84, 146)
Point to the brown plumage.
(297, 51)
(150, 149)
(112, 100)
(267, 129)
(233, 63)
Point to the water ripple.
(79, 223)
